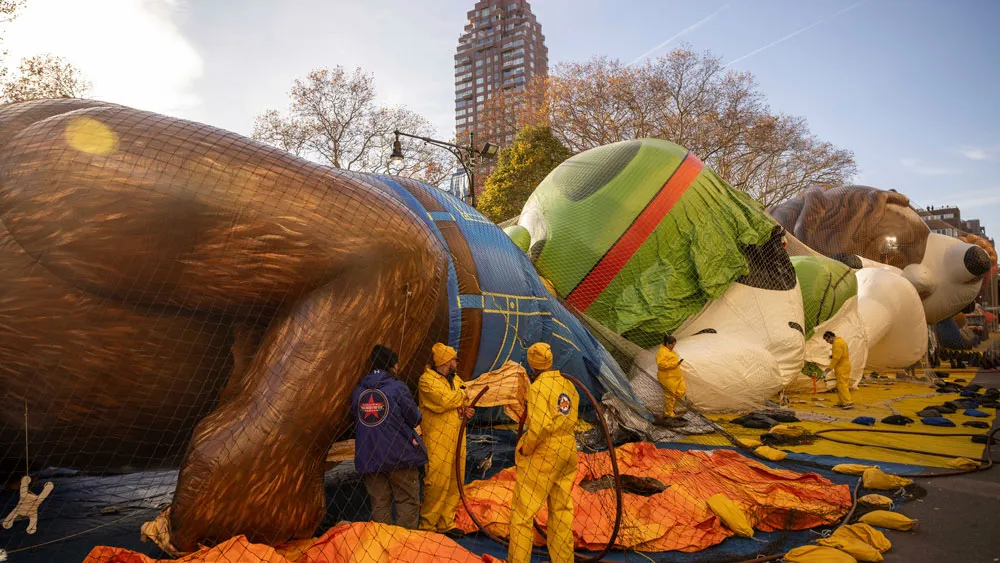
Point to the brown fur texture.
(856, 220)
(180, 294)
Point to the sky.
(910, 86)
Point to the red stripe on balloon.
(588, 290)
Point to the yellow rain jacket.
(441, 401)
(840, 363)
(668, 373)
(546, 466)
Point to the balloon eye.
(707, 331)
(796, 326)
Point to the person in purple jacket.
(388, 452)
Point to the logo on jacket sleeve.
(564, 404)
(372, 407)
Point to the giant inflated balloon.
(880, 227)
(645, 239)
(177, 294)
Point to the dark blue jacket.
(385, 416)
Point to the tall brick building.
(501, 49)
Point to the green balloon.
(520, 236)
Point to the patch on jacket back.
(372, 407)
(565, 404)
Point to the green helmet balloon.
(640, 235)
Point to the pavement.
(958, 517)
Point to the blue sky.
(909, 85)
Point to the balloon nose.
(977, 262)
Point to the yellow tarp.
(508, 388)
(872, 399)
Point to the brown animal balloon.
(164, 283)
(849, 222)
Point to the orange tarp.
(677, 518)
(359, 542)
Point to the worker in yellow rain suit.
(442, 405)
(546, 462)
(668, 373)
(840, 363)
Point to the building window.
(458, 121)
(460, 112)
(480, 99)
(479, 90)
(479, 80)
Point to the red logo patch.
(372, 407)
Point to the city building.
(501, 50)
(948, 221)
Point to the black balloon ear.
(849, 260)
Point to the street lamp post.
(466, 156)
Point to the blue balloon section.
(517, 309)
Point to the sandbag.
(897, 419)
(852, 468)
(891, 520)
(982, 438)
(789, 431)
(878, 501)
(976, 424)
(875, 478)
(937, 421)
(975, 412)
(770, 453)
(749, 443)
(864, 420)
(818, 554)
(929, 412)
(781, 415)
(865, 533)
(853, 547)
(962, 463)
(755, 421)
(731, 515)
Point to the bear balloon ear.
(852, 261)
(892, 196)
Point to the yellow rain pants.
(668, 373)
(840, 363)
(441, 401)
(546, 466)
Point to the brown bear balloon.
(173, 293)
(860, 223)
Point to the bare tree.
(45, 76)
(335, 118)
(690, 99)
